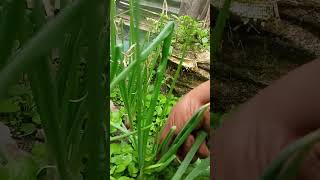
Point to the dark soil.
(251, 61)
(187, 80)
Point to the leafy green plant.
(70, 102)
(188, 31)
(193, 29)
(122, 159)
(119, 134)
(19, 111)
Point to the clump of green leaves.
(19, 111)
(192, 31)
(121, 148)
(123, 161)
(187, 31)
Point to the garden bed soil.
(253, 56)
(195, 70)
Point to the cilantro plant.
(188, 30)
(123, 163)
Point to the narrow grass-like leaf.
(10, 25)
(65, 64)
(159, 166)
(116, 138)
(113, 42)
(163, 147)
(137, 86)
(176, 75)
(200, 169)
(144, 54)
(156, 92)
(276, 167)
(166, 163)
(219, 27)
(185, 163)
(72, 90)
(291, 171)
(115, 62)
(43, 42)
(175, 78)
(74, 136)
(96, 90)
(44, 90)
(71, 132)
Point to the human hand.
(247, 142)
(183, 111)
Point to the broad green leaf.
(115, 149)
(18, 90)
(125, 178)
(36, 119)
(28, 128)
(132, 169)
(8, 106)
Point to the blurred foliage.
(188, 30)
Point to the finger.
(186, 146)
(203, 151)
(294, 99)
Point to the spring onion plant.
(132, 72)
(70, 96)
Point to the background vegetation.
(53, 75)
